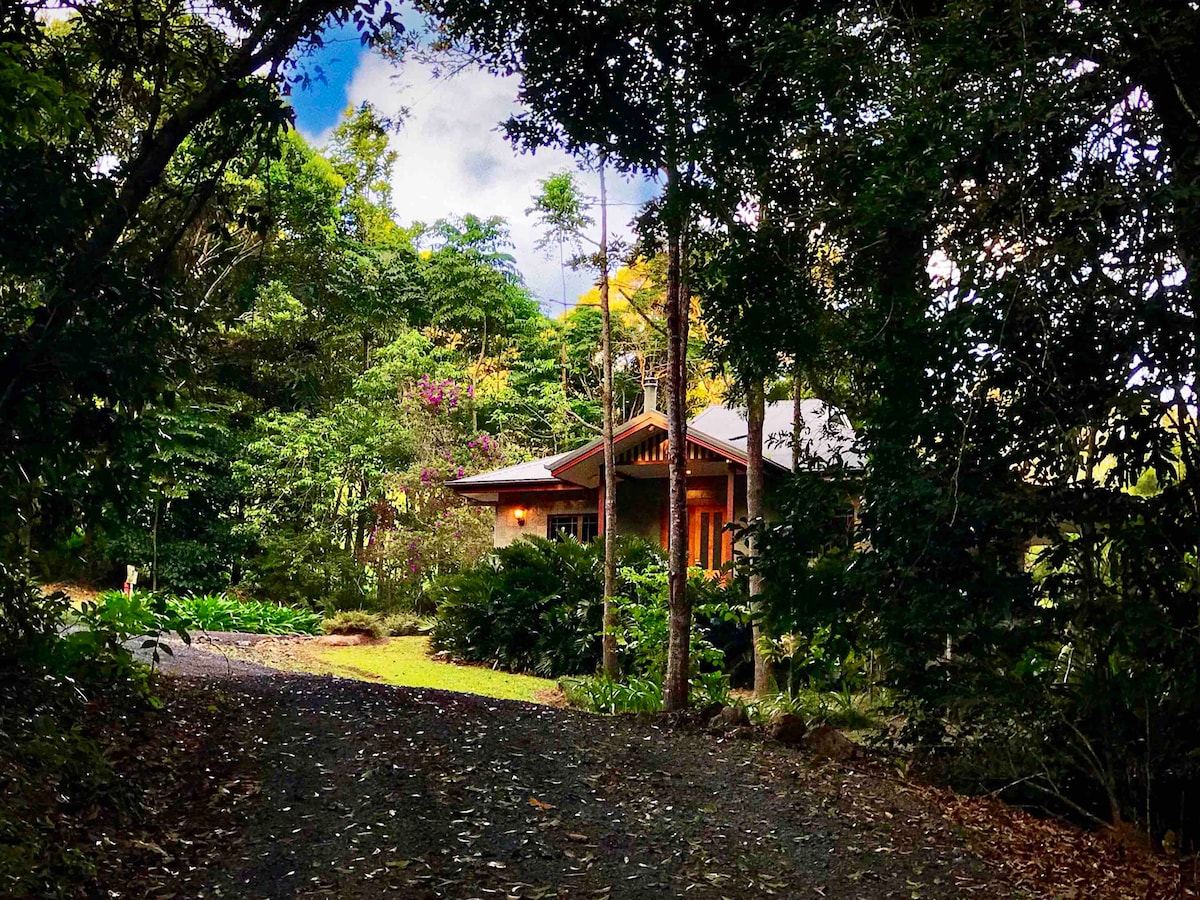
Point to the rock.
(786, 728)
(744, 733)
(730, 717)
(707, 712)
(827, 741)
(354, 639)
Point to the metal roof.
(532, 471)
(826, 438)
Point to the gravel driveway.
(356, 790)
(205, 656)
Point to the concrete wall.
(539, 507)
(640, 507)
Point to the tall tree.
(651, 90)
(147, 110)
(755, 477)
(609, 643)
(562, 210)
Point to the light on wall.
(519, 514)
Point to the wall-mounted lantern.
(519, 514)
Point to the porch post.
(600, 505)
(727, 537)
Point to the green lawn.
(405, 661)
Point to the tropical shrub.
(355, 621)
(221, 612)
(406, 625)
(143, 613)
(603, 695)
(534, 606)
(29, 618)
(642, 614)
(841, 709)
(641, 693)
(100, 644)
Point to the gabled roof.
(634, 427)
(827, 439)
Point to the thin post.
(675, 687)
(728, 535)
(608, 484)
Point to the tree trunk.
(475, 378)
(154, 548)
(360, 531)
(797, 418)
(675, 687)
(348, 542)
(609, 641)
(755, 413)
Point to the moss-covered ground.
(406, 661)
(403, 661)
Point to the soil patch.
(354, 639)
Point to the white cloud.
(454, 160)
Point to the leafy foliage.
(641, 694)
(534, 606)
(221, 612)
(151, 614)
(982, 249)
(643, 619)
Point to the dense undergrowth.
(74, 703)
(144, 613)
(535, 606)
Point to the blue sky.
(452, 159)
(320, 104)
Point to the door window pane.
(717, 542)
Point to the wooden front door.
(706, 544)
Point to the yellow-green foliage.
(405, 661)
(355, 621)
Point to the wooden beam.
(600, 503)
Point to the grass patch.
(405, 661)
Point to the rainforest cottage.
(564, 494)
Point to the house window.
(581, 526)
